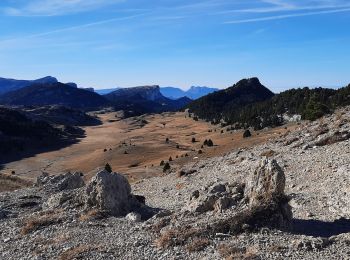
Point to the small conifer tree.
(108, 168)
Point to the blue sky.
(110, 43)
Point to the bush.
(170, 159)
(167, 140)
(193, 139)
(200, 152)
(108, 168)
(208, 142)
(247, 134)
(161, 163)
(166, 167)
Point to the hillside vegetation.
(233, 109)
(222, 104)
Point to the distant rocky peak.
(47, 79)
(249, 81)
(72, 84)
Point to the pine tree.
(108, 168)
(166, 167)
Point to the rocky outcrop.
(67, 181)
(107, 193)
(217, 197)
(110, 192)
(264, 194)
(331, 138)
(263, 202)
(266, 183)
(62, 200)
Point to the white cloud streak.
(56, 7)
(286, 16)
(72, 28)
(284, 6)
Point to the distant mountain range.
(48, 91)
(44, 94)
(7, 85)
(173, 92)
(246, 103)
(192, 93)
(145, 99)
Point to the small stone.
(133, 217)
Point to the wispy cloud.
(274, 6)
(55, 7)
(285, 16)
(72, 28)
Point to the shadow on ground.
(318, 228)
(29, 148)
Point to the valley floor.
(136, 146)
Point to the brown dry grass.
(75, 252)
(93, 214)
(197, 244)
(174, 237)
(234, 253)
(9, 182)
(43, 219)
(157, 227)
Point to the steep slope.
(220, 104)
(20, 136)
(54, 94)
(60, 115)
(7, 85)
(142, 100)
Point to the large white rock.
(266, 183)
(110, 192)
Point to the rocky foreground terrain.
(286, 199)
